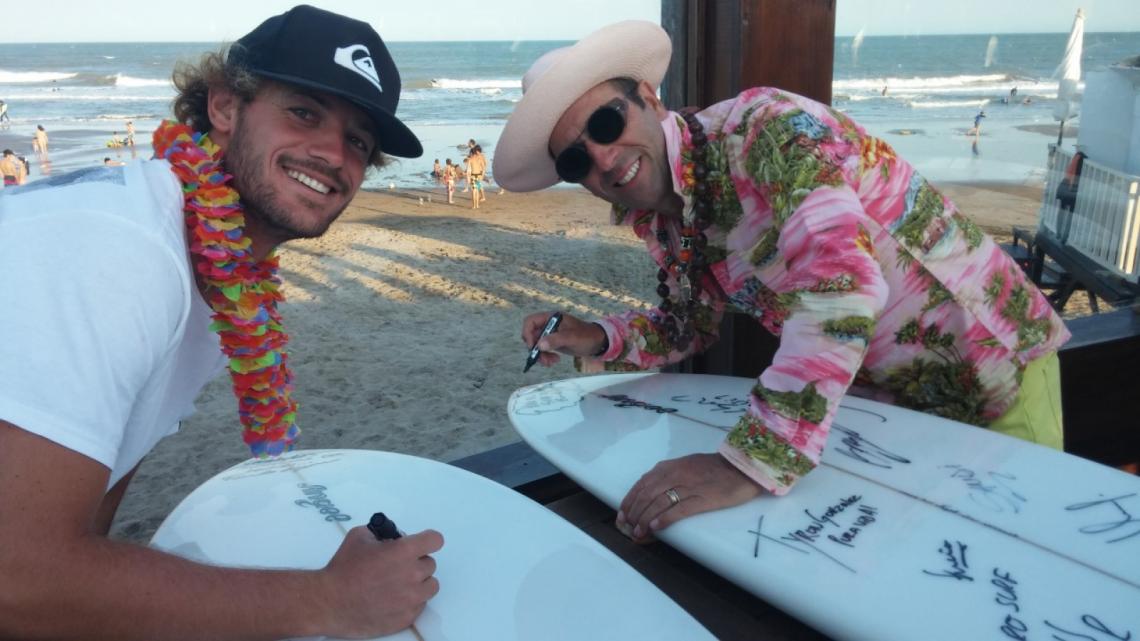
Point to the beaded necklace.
(242, 292)
(689, 263)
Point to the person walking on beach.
(476, 168)
(784, 209)
(449, 171)
(124, 316)
(130, 138)
(4, 112)
(40, 144)
(977, 130)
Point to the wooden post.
(722, 47)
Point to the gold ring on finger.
(674, 498)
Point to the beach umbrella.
(1069, 74)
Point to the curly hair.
(194, 80)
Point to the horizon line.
(4, 42)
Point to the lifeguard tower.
(1088, 234)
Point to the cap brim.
(635, 49)
(395, 137)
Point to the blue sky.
(218, 20)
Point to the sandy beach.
(405, 322)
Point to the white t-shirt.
(104, 339)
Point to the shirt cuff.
(760, 473)
(613, 337)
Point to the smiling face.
(632, 170)
(297, 157)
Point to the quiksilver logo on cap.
(357, 58)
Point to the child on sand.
(449, 178)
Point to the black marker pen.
(551, 327)
(382, 527)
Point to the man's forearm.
(102, 589)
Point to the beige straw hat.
(632, 49)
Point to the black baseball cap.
(321, 50)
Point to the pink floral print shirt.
(874, 281)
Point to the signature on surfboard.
(1121, 524)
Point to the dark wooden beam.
(724, 47)
(790, 44)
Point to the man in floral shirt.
(776, 206)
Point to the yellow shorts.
(1036, 414)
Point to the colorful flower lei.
(242, 292)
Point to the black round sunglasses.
(605, 126)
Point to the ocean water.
(83, 94)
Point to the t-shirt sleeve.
(89, 305)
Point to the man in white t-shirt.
(109, 279)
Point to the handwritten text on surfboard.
(997, 495)
(544, 399)
(825, 526)
(853, 444)
(621, 400)
(719, 403)
(819, 526)
(318, 500)
(1006, 595)
(1121, 524)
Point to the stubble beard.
(260, 204)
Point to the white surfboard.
(509, 568)
(912, 528)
